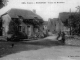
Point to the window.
(23, 29)
(19, 28)
(28, 26)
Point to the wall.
(6, 20)
(27, 29)
(55, 25)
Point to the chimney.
(34, 10)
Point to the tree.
(3, 3)
(66, 23)
(78, 8)
(74, 23)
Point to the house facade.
(22, 21)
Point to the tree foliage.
(74, 22)
(3, 3)
(66, 23)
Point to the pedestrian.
(59, 36)
(63, 37)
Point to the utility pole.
(70, 22)
(34, 10)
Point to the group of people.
(61, 37)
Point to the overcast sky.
(45, 8)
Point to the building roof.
(54, 20)
(65, 15)
(26, 14)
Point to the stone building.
(25, 21)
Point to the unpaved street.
(45, 49)
(47, 53)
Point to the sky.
(45, 8)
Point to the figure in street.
(63, 37)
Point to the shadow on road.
(6, 48)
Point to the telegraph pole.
(70, 22)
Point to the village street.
(45, 49)
(29, 30)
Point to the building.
(24, 21)
(54, 25)
(45, 28)
(64, 16)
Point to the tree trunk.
(70, 30)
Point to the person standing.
(59, 35)
(63, 37)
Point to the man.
(59, 35)
(63, 37)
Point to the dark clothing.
(63, 37)
(59, 34)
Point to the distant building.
(54, 25)
(65, 15)
(45, 28)
(45, 24)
